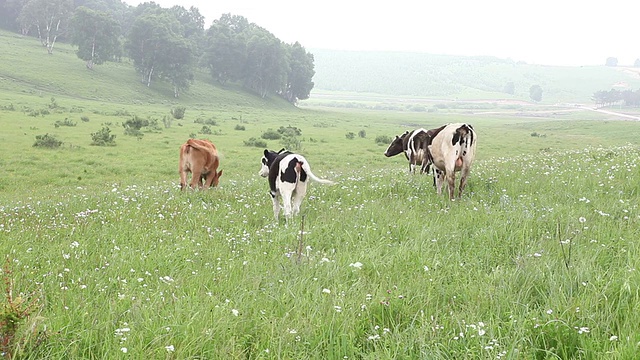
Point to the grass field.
(106, 258)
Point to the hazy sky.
(553, 32)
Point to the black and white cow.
(288, 175)
(453, 149)
(415, 145)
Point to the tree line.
(614, 96)
(167, 44)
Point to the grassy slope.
(122, 261)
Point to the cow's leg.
(286, 191)
(439, 179)
(451, 182)
(208, 179)
(196, 176)
(183, 179)
(275, 197)
(298, 196)
(464, 173)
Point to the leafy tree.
(300, 72)
(510, 88)
(48, 17)
(266, 67)
(96, 35)
(225, 53)
(535, 93)
(159, 50)
(192, 25)
(611, 61)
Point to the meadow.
(106, 258)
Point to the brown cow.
(200, 157)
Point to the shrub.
(289, 130)
(240, 127)
(383, 139)
(255, 142)
(47, 141)
(103, 137)
(154, 126)
(135, 123)
(362, 133)
(211, 122)
(9, 107)
(291, 142)
(84, 118)
(65, 122)
(350, 135)
(178, 112)
(271, 134)
(205, 130)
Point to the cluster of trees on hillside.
(167, 44)
(614, 96)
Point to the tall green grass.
(538, 260)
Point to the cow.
(453, 149)
(414, 144)
(200, 157)
(288, 174)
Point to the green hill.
(461, 77)
(27, 69)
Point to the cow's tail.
(305, 166)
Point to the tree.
(611, 61)
(225, 53)
(96, 35)
(48, 17)
(299, 75)
(535, 93)
(510, 88)
(266, 67)
(159, 50)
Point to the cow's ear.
(281, 150)
(266, 152)
(397, 137)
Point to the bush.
(205, 130)
(289, 131)
(167, 121)
(211, 122)
(47, 141)
(240, 127)
(383, 140)
(84, 118)
(135, 123)
(350, 135)
(362, 134)
(103, 137)
(255, 142)
(178, 112)
(65, 122)
(271, 134)
(291, 142)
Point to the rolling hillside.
(461, 78)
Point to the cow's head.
(216, 178)
(267, 160)
(396, 146)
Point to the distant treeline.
(167, 44)
(614, 96)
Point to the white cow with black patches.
(453, 149)
(288, 174)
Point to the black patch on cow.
(273, 160)
(289, 174)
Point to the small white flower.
(426, 268)
(170, 348)
(549, 311)
(481, 332)
(613, 338)
(235, 312)
(124, 350)
(582, 219)
(357, 265)
(326, 291)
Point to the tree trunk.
(149, 78)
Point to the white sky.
(550, 32)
